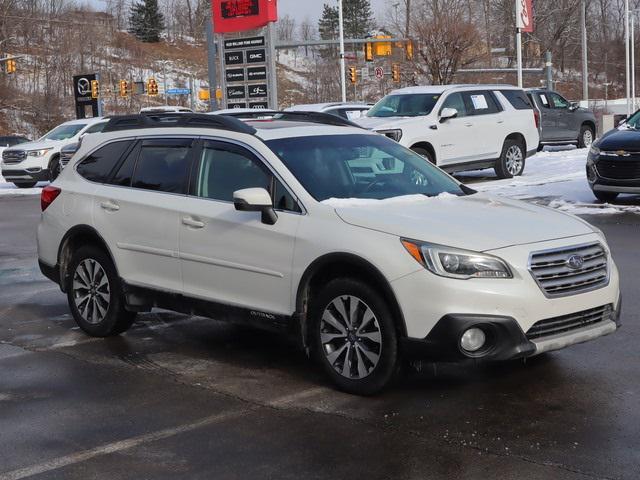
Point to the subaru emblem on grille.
(576, 262)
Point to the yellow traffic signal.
(383, 49)
(204, 94)
(368, 52)
(409, 50)
(353, 74)
(95, 89)
(395, 73)
(152, 87)
(124, 88)
(11, 65)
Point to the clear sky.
(300, 9)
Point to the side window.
(97, 128)
(517, 98)
(544, 101)
(224, 168)
(98, 166)
(456, 101)
(163, 165)
(482, 103)
(558, 101)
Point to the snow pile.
(556, 178)
(368, 202)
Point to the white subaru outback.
(360, 248)
(461, 127)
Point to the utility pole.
(627, 55)
(633, 62)
(518, 43)
(585, 56)
(164, 82)
(211, 63)
(548, 65)
(407, 27)
(343, 70)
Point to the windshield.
(360, 166)
(63, 132)
(404, 105)
(634, 121)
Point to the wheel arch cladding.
(518, 137)
(427, 146)
(338, 265)
(590, 124)
(76, 237)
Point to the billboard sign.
(524, 15)
(241, 15)
(82, 96)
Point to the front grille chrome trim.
(556, 279)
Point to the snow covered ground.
(553, 177)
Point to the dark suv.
(561, 121)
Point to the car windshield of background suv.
(633, 121)
(64, 132)
(404, 105)
(360, 166)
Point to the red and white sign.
(524, 15)
(241, 15)
(379, 73)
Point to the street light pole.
(633, 61)
(627, 55)
(343, 69)
(585, 56)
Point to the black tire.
(585, 142)
(25, 184)
(54, 168)
(505, 166)
(360, 344)
(423, 152)
(115, 318)
(605, 197)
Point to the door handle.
(468, 124)
(500, 121)
(190, 222)
(110, 206)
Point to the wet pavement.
(189, 397)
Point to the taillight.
(536, 117)
(48, 195)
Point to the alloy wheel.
(587, 138)
(514, 159)
(351, 337)
(91, 291)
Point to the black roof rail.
(315, 117)
(164, 120)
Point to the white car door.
(138, 213)
(487, 135)
(231, 257)
(455, 135)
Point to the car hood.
(627, 139)
(383, 123)
(477, 222)
(39, 145)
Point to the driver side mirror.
(448, 113)
(255, 200)
(574, 106)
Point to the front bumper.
(505, 338)
(34, 174)
(599, 183)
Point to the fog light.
(473, 340)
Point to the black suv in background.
(613, 163)
(561, 121)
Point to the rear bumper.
(52, 273)
(505, 338)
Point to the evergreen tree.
(328, 23)
(146, 22)
(358, 20)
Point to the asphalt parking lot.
(188, 397)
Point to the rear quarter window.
(517, 98)
(97, 166)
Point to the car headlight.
(456, 263)
(392, 134)
(595, 151)
(38, 153)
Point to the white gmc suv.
(29, 163)
(360, 248)
(461, 127)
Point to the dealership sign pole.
(343, 69)
(247, 63)
(524, 23)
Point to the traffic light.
(368, 52)
(204, 94)
(409, 50)
(124, 88)
(95, 89)
(395, 73)
(353, 74)
(11, 65)
(152, 87)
